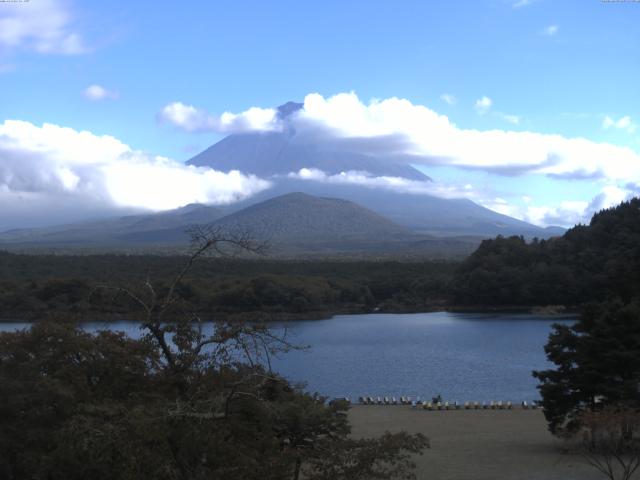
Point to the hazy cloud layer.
(567, 213)
(44, 26)
(483, 197)
(396, 184)
(55, 167)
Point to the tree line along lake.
(460, 356)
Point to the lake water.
(475, 357)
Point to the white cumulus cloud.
(48, 167)
(196, 120)
(44, 26)
(512, 119)
(448, 98)
(483, 105)
(98, 92)
(396, 126)
(623, 123)
(551, 30)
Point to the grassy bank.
(477, 444)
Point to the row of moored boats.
(440, 405)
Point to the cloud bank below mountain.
(51, 173)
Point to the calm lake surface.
(476, 357)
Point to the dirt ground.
(477, 444)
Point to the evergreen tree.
(597, 363)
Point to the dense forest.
(35, 285)
(588, 263)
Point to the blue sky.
(558, 67)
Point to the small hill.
(422, 214)
(301, 216)
(299, 223)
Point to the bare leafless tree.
(171, 322)
(610, 441)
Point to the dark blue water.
(476, 357)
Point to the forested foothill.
(588, 263)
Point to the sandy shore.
(477, 444)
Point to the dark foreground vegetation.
(178, 404)
(597, 362)
(592, 396)
(79, 406)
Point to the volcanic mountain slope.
(277, 155)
